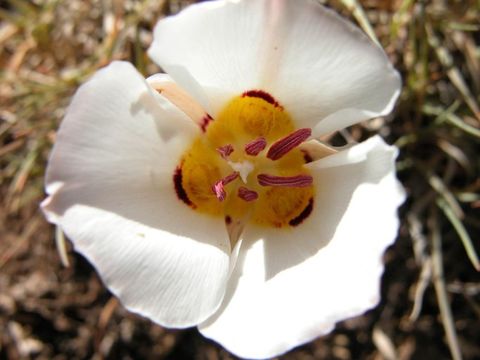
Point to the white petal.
(321, 68)
(207, 40)
(110, 186)
(290, 287)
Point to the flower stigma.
(247, 165)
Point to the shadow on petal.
(167, 128)
(134, 179)
(285, 248)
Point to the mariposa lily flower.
(203, 198)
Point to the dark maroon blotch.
(306, 157)
(228, 220)
(205, 122)
(303, 215)
(261, 95)
(177, 181)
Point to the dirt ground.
(430, 307)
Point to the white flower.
(197, 196)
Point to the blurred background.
(430, 307)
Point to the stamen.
(225, 151)
(254, 147)
(219, 190)
(247, 194)
(289, 142)
(219, 187)
(229, 178)
(287, 181)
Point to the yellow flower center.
(247, 165)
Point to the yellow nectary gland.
(246, 119)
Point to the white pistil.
(244, 168)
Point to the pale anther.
(289, 142)
(219, 187)
(225, 150)
(254, 147)
(247, 194)
(287, 181)
(219, 190)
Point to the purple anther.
(225, 150)
(254, 147)
(219, 190)
(247, 194)
(289, 142)
(219, 187)
(287, 181)
(229, 178)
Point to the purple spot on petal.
(303, 215)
